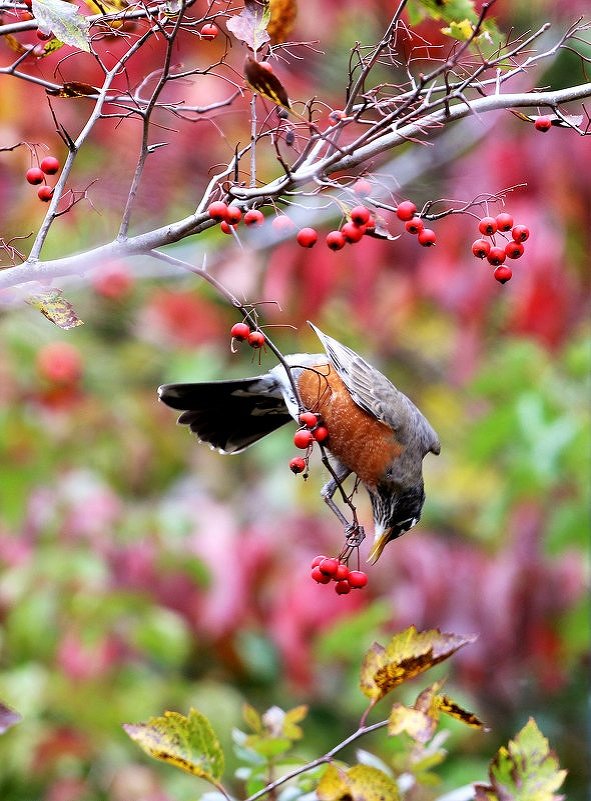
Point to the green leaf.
(526, 770)
(188, 743)
(64, 20)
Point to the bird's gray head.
(396, 509)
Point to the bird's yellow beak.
(381, 538)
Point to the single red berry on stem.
(504, 221)
(256, 339)
(406, 210)
(362, 187)
(496, 256)
(503, 274)
(481, 248)
(320, 433)
(45, 193)
(414, 226)
(209, 31)
(50, 165)
(35, 176)
(427, 237)
(514, 250)
(308, 419)
(307, 237)
(254, 217)
(487, 226)
(240, 331)
(335, 116)
(217, 210)
(319, 576)
(60, 363)
(542, 124)
(357, 579)
(359, 215)
(233, 215)
(298, 465)
(225, 228)
(44, 35)
(335, 240)
(329, 566)
(317, 559)
(352, 233)
(283, 223)
(520, 233)
(303, 438)
(342, 587)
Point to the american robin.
(375, 431)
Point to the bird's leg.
(327, 492)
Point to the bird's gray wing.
(378, 396)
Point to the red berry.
(283, 223)
(240, 331)
(50, 165)
(319, 576)
(504, 221)
(113, 281)
(426, 237)
(335, 240)
(233, 215)
(44, 35)
(514, 250)
(359, 215)
(520, 233)
(406, 210)
(481, 248)
(308, 419)
(342, 587)
(59, 362)
(362, 187)
(217, 210)
(209, 31)
(335, 116)
(45, 193)
(317, 559)
(487, 226)
(35, 176)
(496, 256)
(254, 217)
(303, 438)
(307, 237)
(352, 233)
(266, 66)
(256, 339)
(414, 226)
(503, 274)
(357, 579)
(320, 434)
(342, 572)
(225, 228)
(298, 465)
(329, 566)
(542, 124)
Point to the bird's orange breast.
(359, 441)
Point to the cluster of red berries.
(328, 568)
(359, 223)
(406, 212)
(242, 332)
(36, 175)
(230, 216)
(496, 254)
(311, 431)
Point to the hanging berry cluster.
(36, 175)
(311, 431)
(242, 332)
(326, 569)
(496, 252)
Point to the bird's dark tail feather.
(229, 415)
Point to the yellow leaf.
(452, 709)
(359, 783)
(459, 30)
(283, 16)
(408, 653)
(53, 305)
(188, 743)
(417, 724)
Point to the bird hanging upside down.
(375, 431)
